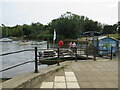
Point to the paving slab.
(47, 85)
(59, 85)
(71, 79)
(59, 78)
(98, 85)
(92, 78)
(73, 85)
(110, 85)
(67, 74)
(86, 84)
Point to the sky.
(21, 12)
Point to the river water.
(17, 58)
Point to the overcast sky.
(20, 12)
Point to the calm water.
(16, 58)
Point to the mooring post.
(36, 61)
(111, 53)
(58, 57)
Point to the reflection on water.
(16, 58)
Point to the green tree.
(109, 29)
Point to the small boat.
(5, 40)
(25, 43)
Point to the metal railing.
(15, 66)
(58, 50)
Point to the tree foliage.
(71, 26)
(109, 29)
(67, 26)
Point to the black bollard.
(111, 53)
(58, 57)
(36, 61)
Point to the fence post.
(94, 57)
(47, 44)
(87, 47)
(111, 53)
(58, 57)
(94, 53)
(75, 53)
(36, 61)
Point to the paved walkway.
(84, 74)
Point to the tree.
(109, 29)
(70, 26)
(67, 26)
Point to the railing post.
(47, 44)
(58, 57)
(94, 57)
(86, 47)
(94, 53)
(111, 53)
(36, 61)
(75, 53)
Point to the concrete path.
(84, 74)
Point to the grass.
(114, 36)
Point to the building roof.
(102, 37)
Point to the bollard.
(58, 57)
(36, 61)
(111, 53)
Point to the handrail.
(15, 66)
(19, 51)
(16, 52)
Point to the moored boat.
(5, 40)
(25, 43)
